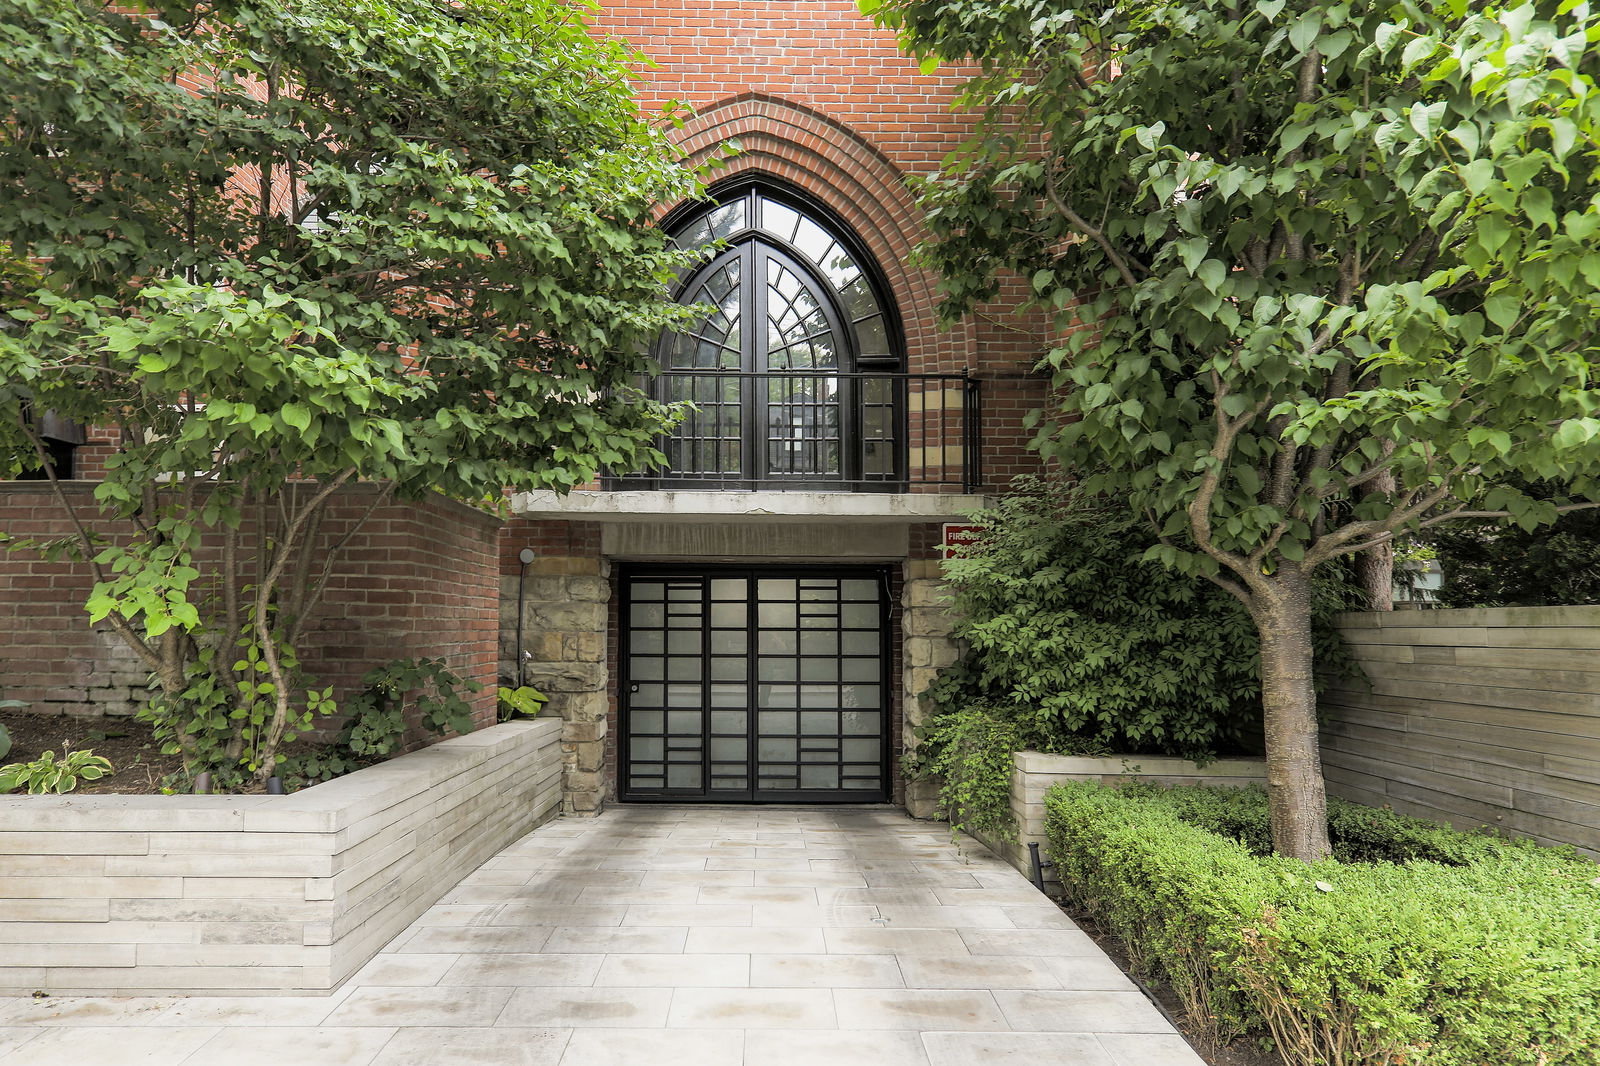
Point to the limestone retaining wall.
(257, 895)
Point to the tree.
(1336, 266)
(285, 246)
(1504, 565)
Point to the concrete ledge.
(1035, 772)
(692, 505)
(257, 895)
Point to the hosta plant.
(49, 774)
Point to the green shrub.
(1084, 640)
(423, 691)
(48, 774)
(1484, 952)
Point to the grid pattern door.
(763, 686)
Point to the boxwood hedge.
(1417, 945)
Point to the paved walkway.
(653, 936)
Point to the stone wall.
(1474, 717)
(926, 621)
(564, 621)
(257, 895)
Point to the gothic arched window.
(793, 375)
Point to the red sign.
(959, 536)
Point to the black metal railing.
(818, 430)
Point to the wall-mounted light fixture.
(525, 556)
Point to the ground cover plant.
(321, 242)
(1335, 266)
(1414, 944)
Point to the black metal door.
(755, 685)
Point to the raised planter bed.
(257, 895)
(1035, 772)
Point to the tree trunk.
(1375, 574)
(1296, 795)
(1375, 567)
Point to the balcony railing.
(818, 430)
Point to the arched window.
(793, 375)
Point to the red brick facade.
(418, 580)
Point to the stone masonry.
(926, 623)
(564, 617)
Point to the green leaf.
(295, 415)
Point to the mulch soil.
(137, 763)
(1243, 1052)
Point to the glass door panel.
(755, 686)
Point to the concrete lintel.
(689, 505)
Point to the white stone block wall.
(257, 895)
(1036, 772)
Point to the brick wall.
(417, 580)
(821, 99)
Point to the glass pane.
(819, 669)
(776, 614)
(683, 775)
(860, 670)
(643, 669)
(649, 695)
(819, 642)
(776, 696)
(859, 588)
(729, 721)
(727, 614)
(812, 240)
(683, 723)
(727, 219)
(728, 588)
(819, 695)
(728, 749)
(860, 616)
(684, 643)
(683, 695)
(858, 298)
(647, 721)
(859, 723)
(648, 748)
(860, 695)
(777, 750)
(644, 591)
(819, 777)
(819, 723)
(776, 588)
(728, 669)
(645, 640)
(729, 642)
(776, 670)
(778, 219)
(861, 643)
(683, 670)
(873, 338)
(778, 722)
(646, 614)
(776, 642)
(862, 750)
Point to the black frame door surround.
(741, 684)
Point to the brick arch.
(846, 172)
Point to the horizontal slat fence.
(1475, 717)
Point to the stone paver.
(709, 936)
